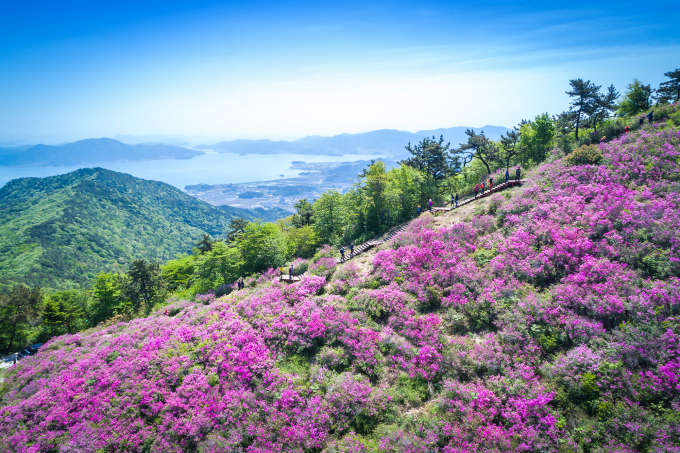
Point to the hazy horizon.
(193, 140)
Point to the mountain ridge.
(390, 141)
(61, 230)
(91, 150)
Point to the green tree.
(144, 285)
(18, 311)
(260, 247)
(353, 207)
(301, 242)
(404, 184)
(107, 297)
(638, 99)
(669, 91)
(205, 244)
(328, 211)
(430, 157)
(481, 148)
(584, 94)
(236, 227)
(508, 147)
(178, 274)
(63, 313)
(564, 124)
(303, 215)
(603, 105)
(536, 138)
(374, 184)
(222, 264)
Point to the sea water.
(209, 168)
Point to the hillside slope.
(546, 319)
(62, 230)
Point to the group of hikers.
(454, 204)
(290, 272)
(650, 119)
(482, 187)
(342, 252)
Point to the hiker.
(420, 211)
(456, 199)
(290, 272)
(507, 175)
(476, 190)
(342, 254)
(430, 204)
(451, 200)
(483, 188)
(166, 312)
(627, 130)
(517, 174)
(642, 120)
(650, 116)
(490, 182)
(351, 249)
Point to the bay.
(208, 168)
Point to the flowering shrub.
(548, 322)
(323, 267)
(585, 155)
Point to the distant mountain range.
(90, 151)
(389, 142)
(384, 141)
(60, 231)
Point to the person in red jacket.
(476, 190)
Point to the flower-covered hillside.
(547, 323)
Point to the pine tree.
(107, 295)
(236, 227)
(430, 157)
(481, 148)
(603, 105)
(509, 147)
(669, 91)
(585, 94)
(205, 244)
(144, 284)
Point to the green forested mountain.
(60, 231)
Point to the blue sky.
(265, 69)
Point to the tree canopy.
(669, 91)
(481, 148)
(584, 94)
(637, 99)
(431, 157)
